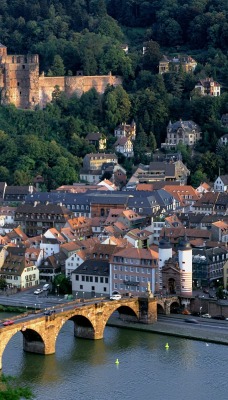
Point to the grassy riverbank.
(8, 309)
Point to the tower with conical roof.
(164, 254)
(185, 265)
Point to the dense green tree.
(3, 283)
(116, 106)
(12, 390)
(152, 144)
(152, 56)
(64, 284)
(63, 172)
(197, 178)
(4, 174)
(57, 69)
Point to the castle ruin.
(22, 85)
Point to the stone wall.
(74, 85)
(47, 86)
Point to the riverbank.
(184, 331)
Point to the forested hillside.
(88, 35)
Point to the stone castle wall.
(21, 85)
(72, 85)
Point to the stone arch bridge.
(40, 331)
(165, 305)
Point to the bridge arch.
(83, 327)
(174, 306)
(160, 308)
(33, 340)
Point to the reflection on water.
(86, 370)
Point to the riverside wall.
(186, 331)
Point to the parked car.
(206, 316)
(49, 312)
(185, 312)
(115, 297)
(221, 317)
(46, 286)
(191, 321)
(38, 291)
(211, 296)
(8, 322)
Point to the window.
(87, 278)
(93, 288)
(81, 286)
(77, 277)
(101, 279)
(91, 279)
(96, 279)
(83, 278)
(106, 280)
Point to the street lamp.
(76, 294)
(83, 295)
(35, 307)
(58, 289)
(200, 311)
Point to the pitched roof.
(71, 246)
(224, 179)
(93, 267)
(136, 253)
(43, 208)
(221, 225)
(93, 136)
(121, 141)
(183, 190)
(187, 126)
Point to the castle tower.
(185, 265)
(20, 79)
(3, 55)
(164, 254)
(3, 51)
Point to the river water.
(86, 370)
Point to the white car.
(115, 297)
(206, 316)
(38, 291)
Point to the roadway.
(28, 299)
(202, 323)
